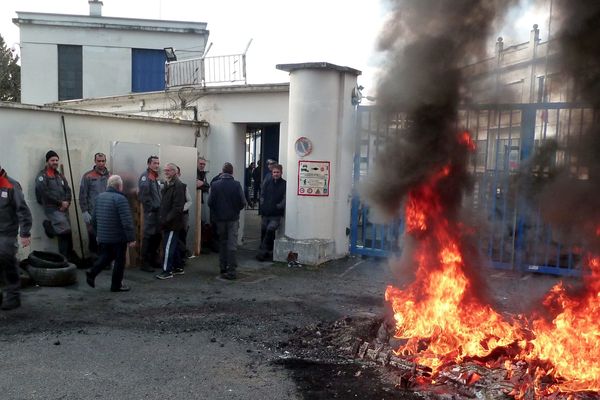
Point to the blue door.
(147, 70)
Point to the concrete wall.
(227, 111)
(28, 132)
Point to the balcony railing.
(206, 71)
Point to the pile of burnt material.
(368, 339)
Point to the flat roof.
(317, 65)
(87, 21)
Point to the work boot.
(11, 302)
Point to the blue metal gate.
(507, 136)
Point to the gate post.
(527, 147)
(320, 155)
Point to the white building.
(67, 57)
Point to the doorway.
(261, 144)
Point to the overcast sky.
(342, 32)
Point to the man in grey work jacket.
(149, 195)
(54, 194)
(15, 217)
(93, 183)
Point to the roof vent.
(95, 8)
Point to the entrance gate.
(507, 136)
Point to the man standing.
(171, 221)
(272, 209)
(201, 181)
(248, 183)
(113, 224)
(93, 183)
(149, 196)
(15, 217)
(53, 192)
(226, 200)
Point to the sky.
(342, 32)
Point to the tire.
(46, 259)
(61, 276)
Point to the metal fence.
(206, 71)
(512, 233)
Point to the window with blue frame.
(70, 67)
(147, 70)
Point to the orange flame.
(440, 321)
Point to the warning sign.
(313, 178)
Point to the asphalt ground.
(197, 336)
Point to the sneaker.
(178, 271)
(164, 275)
(123, 288)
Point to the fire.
(442, 322)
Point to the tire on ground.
(62, 276)
(46, 259)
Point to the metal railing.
(205, 71)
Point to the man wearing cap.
(15, 217)
(149, 196)
(54, 194)
(93, 183)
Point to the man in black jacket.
(272, 209)
(170, 217)
(226, 200)
(149, 196)
(15, 217)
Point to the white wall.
(39, 75)
(96, 62)
(27, 133)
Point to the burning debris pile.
(444, 329)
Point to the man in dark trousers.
(272, 209)
(93, 183)
(171, 222)
(15, 218)
(53, 192)
(226, 200)
(149, 196)
(113, 224)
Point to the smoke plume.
(427, 41)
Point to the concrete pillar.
(322, 113)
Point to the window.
(70, 85)
(148, 70)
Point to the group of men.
(107, 215)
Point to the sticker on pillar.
(303, 146)
(314, 178)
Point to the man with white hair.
(113, 224)
(171, 221)
(15, 218)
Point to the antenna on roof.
(207, 50)
(248, 46)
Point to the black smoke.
(427, 42)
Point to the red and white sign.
(314, 178)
